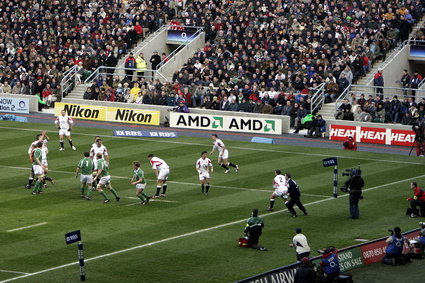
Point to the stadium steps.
(77, 92)
(328, 111)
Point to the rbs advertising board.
(110, 114)
(226, 123)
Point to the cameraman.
(329, 264)
(422, 233)
(354, 187)
(394, 253)
(419, 130)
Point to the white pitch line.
(162, 200)
(243, 148)
(190, 234)
(26, 227)
(11, 271)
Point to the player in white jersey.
(204, 167)
(30, 154)
(223, 154)
(162, 171)
(44, 139)
(96, 148)
(280, 188)
(64, 123)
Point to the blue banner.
(14, 105)
(330, 162)
(73, 237)
(145, 134)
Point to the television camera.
(352, 172)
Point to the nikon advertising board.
(226, 123)
(110, 114)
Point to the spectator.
(130, 65)
(258, 106)
(415, 80)
(344, 111)
(233, 105)
(224, 104)
(301, 113)
(181, 108)
(267, 109)
(318, 127)
(394, 110)
(141, 65)
(331, 91)
(378, 81)
(155, 60)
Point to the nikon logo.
(81, 112)
(131, 116)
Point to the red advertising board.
(375, 251)
(372, 135)
(402, 137)
(341, 132)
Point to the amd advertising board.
(226, 123)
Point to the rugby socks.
(164, 189)
(104, 195)
(89, 190)
(30, 180)
(202, 188)
(82, 191)
(61, 143)
(224, 166)
(158, 189)
(207, 188)
(271, 203)
(70, 142)
(141, 197)
(231, 164)
(114, 192)
(145, 195)
(37, 186)
(48, 179)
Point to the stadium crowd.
(259, 56)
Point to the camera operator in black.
(295, 194)
(354, 187)
(419, 130)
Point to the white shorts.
(44, 162)
(105, 180)
(88, 179)
(163, 174)
(204, 176)
(38, 170)
(63, 132)
(225, 154)
(140, 186)
(281, 193)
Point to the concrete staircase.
(77, 92)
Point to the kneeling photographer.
(354, 186)
(394, 253)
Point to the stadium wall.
(349, 258)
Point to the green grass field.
(187, 236)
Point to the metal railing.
(318, 98)
(402, 93)
(70, 77)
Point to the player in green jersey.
(140, 182)
(105, 178)
(86, 167)
(38, 168)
